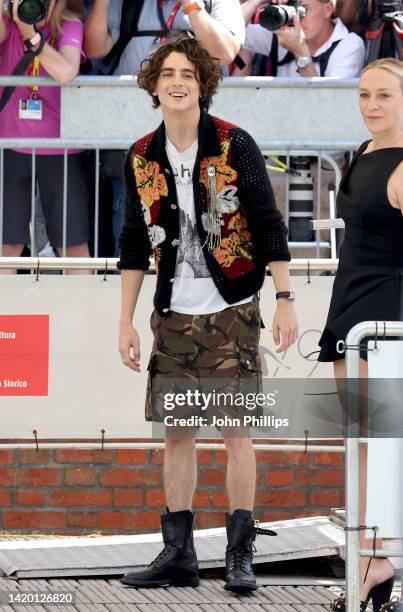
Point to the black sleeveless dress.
(368, 283)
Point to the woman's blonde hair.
(63, 11)
(390, 64)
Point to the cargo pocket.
(152, 394)
(250, 371)
(250, 382)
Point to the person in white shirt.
(319, 44)
(218, 24)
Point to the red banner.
(24, 354)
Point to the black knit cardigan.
(252, 235)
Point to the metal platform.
(115, 555)
(110, 596)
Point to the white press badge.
(30, 109)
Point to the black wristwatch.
(290, 295)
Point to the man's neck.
(182, 128)
(321, 38)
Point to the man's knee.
(177, 437)
(237, 442)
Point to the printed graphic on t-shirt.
(183, 175)
(190, 262)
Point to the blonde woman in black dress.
(368, 283)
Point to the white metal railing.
(227, 82)
(354, 551)
(107, 264)
(288, 149)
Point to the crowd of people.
(113, 37)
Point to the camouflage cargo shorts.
(191, 351)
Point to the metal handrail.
(107, 143)
(353, 550)
(109, 263)
(337, 448)
(243, 82)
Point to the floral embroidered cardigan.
(252, 230)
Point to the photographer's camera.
(30, 11)
(275, 16)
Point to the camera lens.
(31, 11)
(274, 17)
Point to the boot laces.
(260, 531)
(241, 558)
(162, 556)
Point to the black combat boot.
(241, 533)
(176, 565)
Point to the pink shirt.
(11, 50)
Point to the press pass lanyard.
(166, 25)
(32, 107)
(35, 72)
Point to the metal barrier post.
(33, 202)
(1, 198)
(96, 213)
(64, 201)
(353, 550)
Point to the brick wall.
(120, 491)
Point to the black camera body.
(30, 11)
(275, 16)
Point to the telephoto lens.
(30, 11)
(275, 16)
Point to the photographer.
(314, 45)
(34, 112)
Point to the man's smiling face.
(178, 88)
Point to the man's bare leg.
(241, 482)
(180, 470)
(241, 470)
(177, 564)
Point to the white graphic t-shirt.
(193, 291)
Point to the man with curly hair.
(198, 196)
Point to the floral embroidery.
(151, 184)
(229, 202)
(238, 224)
(157, 235)
(157, 257)
(146, 213)
(224, 173)
(237, 245)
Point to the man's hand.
(129, 346)
(292, 38)
(285, 326)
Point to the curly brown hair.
(208, 73)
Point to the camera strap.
(322, 58)
(131, 12)
(20, 68)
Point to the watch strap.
(303, 61)
(290, 295)
(37, 39)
